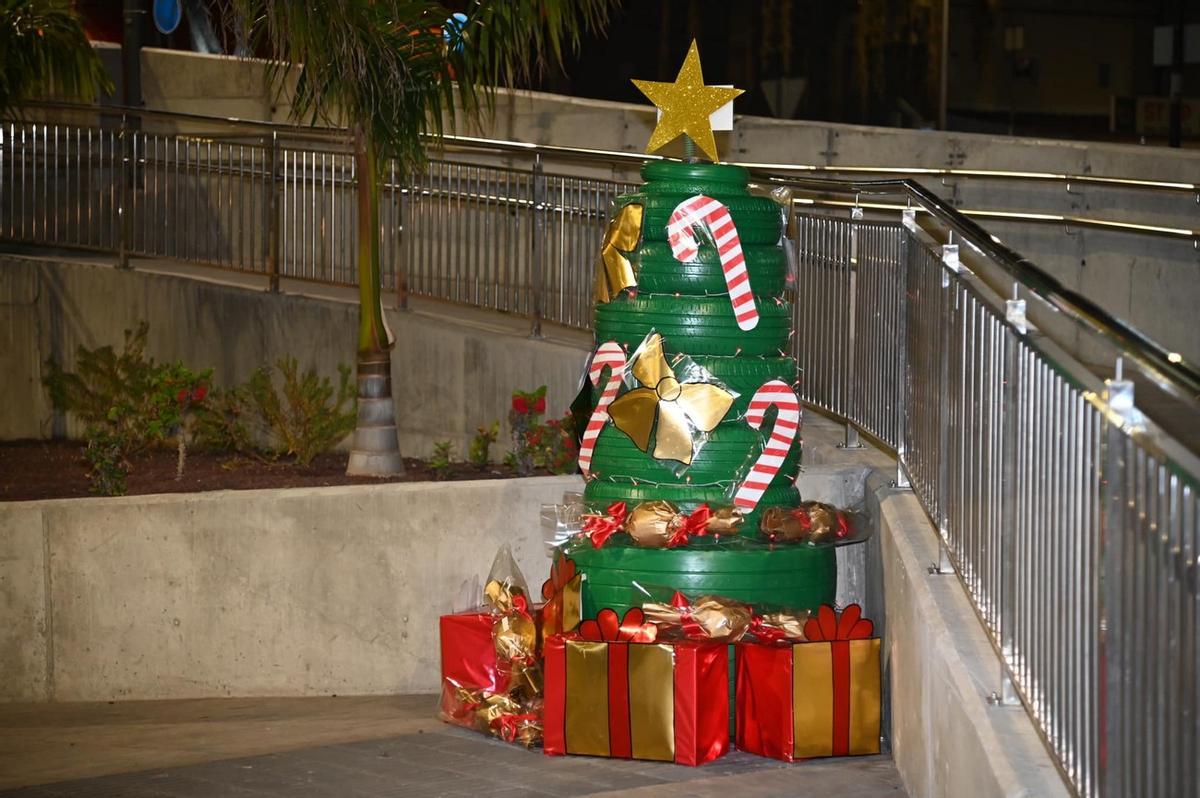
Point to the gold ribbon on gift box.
(650, 682)
(836, 686)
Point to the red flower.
(181, 397)
(540, 405)
(199, 394)
(520, 405)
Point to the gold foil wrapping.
(725, 521)
(823, 522)
(658, 524)
(706, 618)
(811, 522)
(791, 625)
(649, 524)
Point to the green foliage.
(44, 51)
(128, 402)
(309, 416)
(478, 454)
(225, 423)
(108, 467)
(440, 463)
(394, 70)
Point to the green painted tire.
(730, 448)
(600, 493)
(799, 577)
(659, 273)
(695, 325)
(745, 375)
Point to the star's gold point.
(686, 106)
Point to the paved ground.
(352, 747)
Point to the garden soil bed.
(57, 470)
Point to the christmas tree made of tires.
(692, 445)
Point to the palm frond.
(44, 52)
(395, 70)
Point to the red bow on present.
(600, 527)
(633, 628)
(694, 524)
(764, 632)
(691, 628)
(509, 725)
(827, 626)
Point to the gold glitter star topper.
(686, 105)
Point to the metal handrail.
(329, 133)
(1169, 370)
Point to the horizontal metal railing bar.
(633, 158)
(998, 174)
(1170, 368)
(1022, 216)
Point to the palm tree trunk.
(376, 448)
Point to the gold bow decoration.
(614, 272)
(679, 408)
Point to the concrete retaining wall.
(453, 369)
(269, 592)
(251, 593)
(946, 739)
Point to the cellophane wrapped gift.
(612, 689)
(818, 696)
(491, 678)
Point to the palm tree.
(44, 51)
(393, 69)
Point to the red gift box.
(811, 699)
(611, 691)
(468, 654)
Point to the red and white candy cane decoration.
(702, 211)
(783, 433)
(612, 355)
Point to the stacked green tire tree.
(689, 305)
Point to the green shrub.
(440, 462)
(481, 444)
(309, 417)
(108, 467)
(127, 402)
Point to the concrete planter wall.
(240, 593)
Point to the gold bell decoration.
(679, 409)
(615, 272)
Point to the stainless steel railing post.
(1116, 775)
(124, 194)
(271, 145)
(538, 247)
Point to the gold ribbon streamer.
(615, 272)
